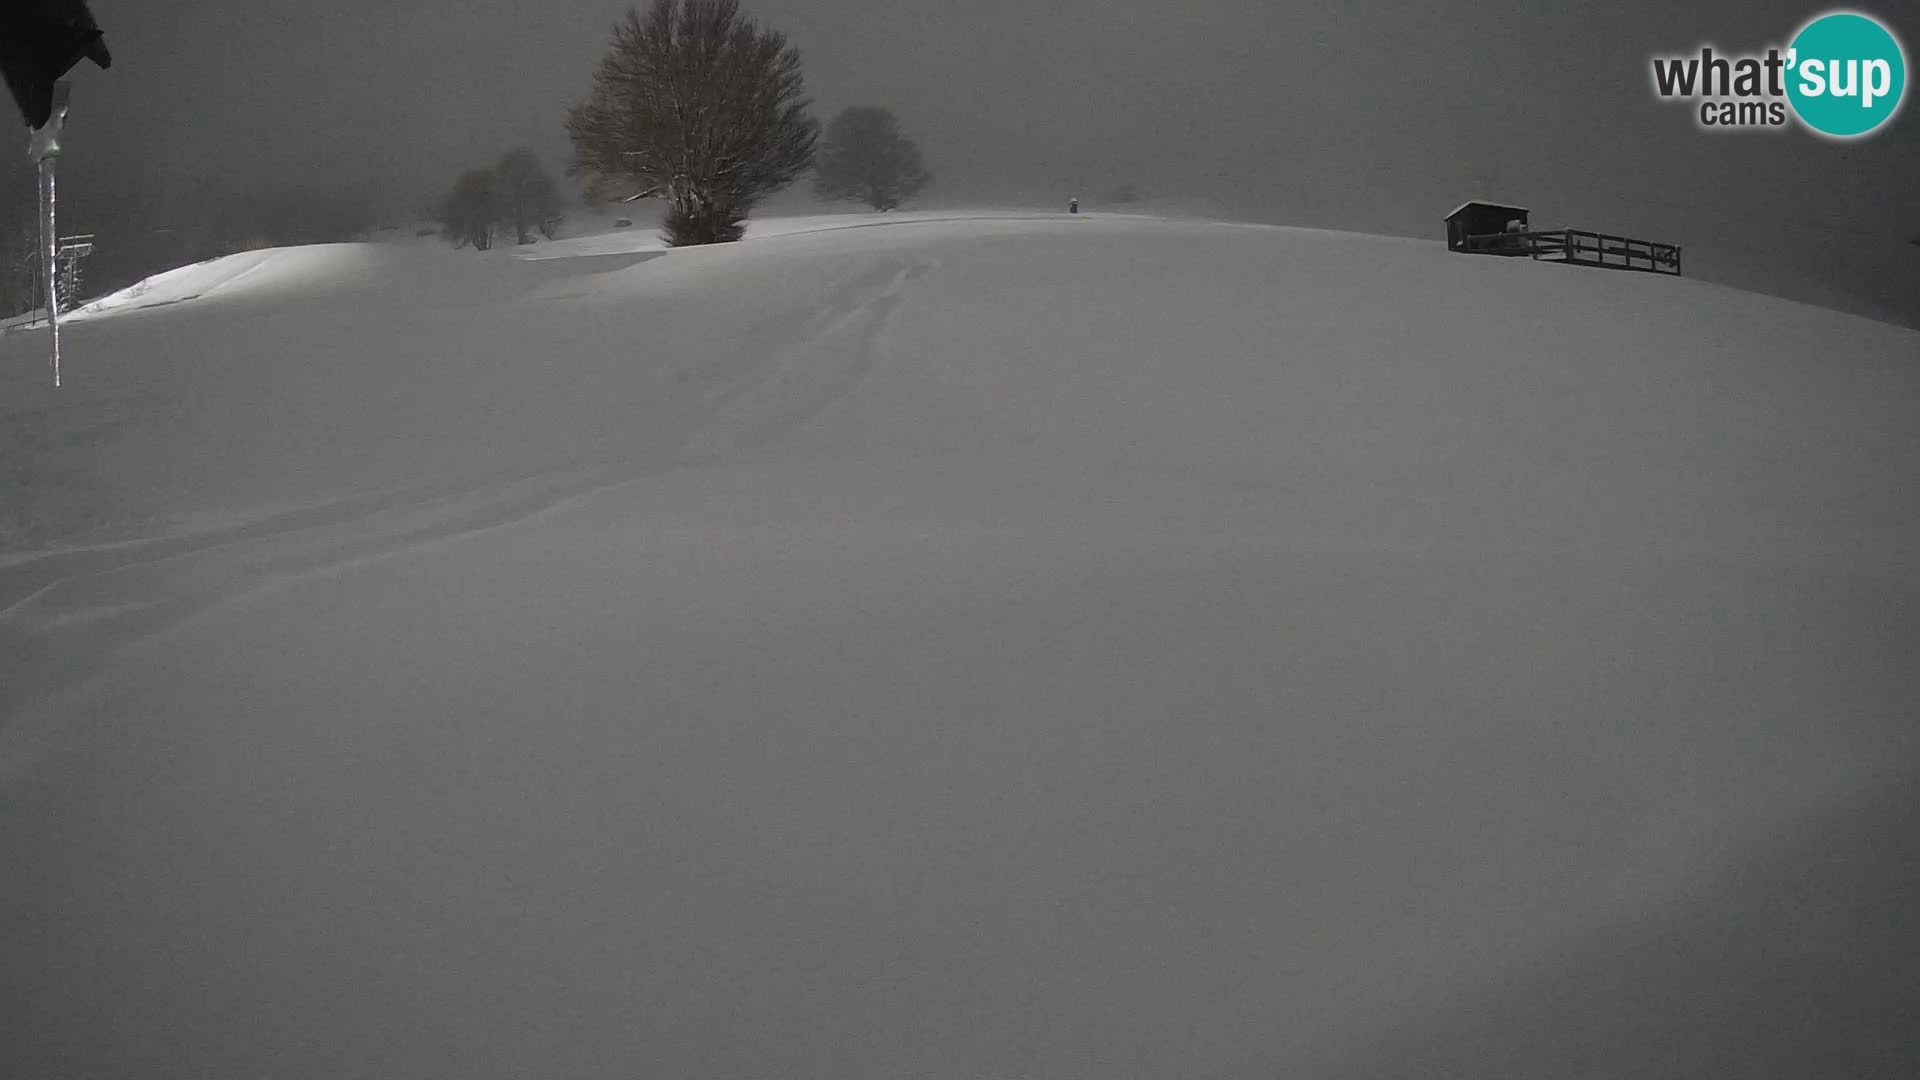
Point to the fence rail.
(1581, 248)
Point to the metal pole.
(49, 256)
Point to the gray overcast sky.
(1380, 115)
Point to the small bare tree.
(473, 207)
(696, 104)
(864, 158)
(527, 196)
(19, 266)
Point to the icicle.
(44, 148)
(50, 259)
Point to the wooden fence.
(1581, 248)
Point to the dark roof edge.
(1484, 202)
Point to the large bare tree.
(696, 104)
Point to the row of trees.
(699, 106)
(516, 195)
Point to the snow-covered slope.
(968, 646)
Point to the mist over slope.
(961, 646)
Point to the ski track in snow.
(828, 363)
(65, 616)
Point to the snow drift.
(971, 647)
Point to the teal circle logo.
(1848, 75)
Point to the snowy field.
(962, 647)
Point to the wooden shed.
(1478, 218)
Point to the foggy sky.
(1379, 116)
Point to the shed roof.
(1489, 205)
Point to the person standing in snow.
(1073, 205)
